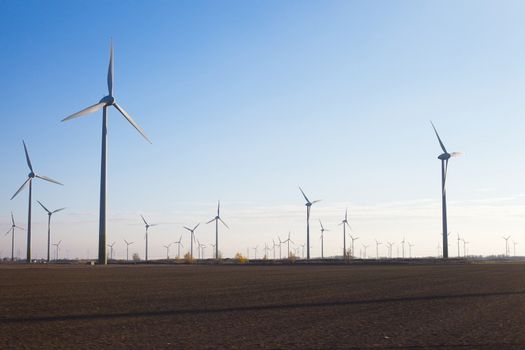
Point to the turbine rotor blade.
(439, 139)
(9, 231)
(21, 187)
(12, 219)
(212, 220)
(27, 157)
(20, 228)
(56, 211)
(90, 109)
(110, 70)
(317, 201)
(144, 220)
(306, 198)
(196, 226)
(456, 154)
(49, 179)
(44, 207)
(131, 121)
(224, 223)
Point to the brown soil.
(270, 307)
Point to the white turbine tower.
(345, 223)
(444, 157)
(12, 230)
(49, 214)
(308, 208)
(217, 219)
(322, 238)
(29, 182)
(103, 104)
(192, 238)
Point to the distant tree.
(135, 257)
(240, 258)
(188, 259)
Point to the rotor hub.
(108, 100)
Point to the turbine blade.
(218, 208)
(131, 121)
(211, 221)
(306, 198)
(56, 211)
(21, 187)
(153, 225)
(20, 228)
(439, 139)
(346, 214)
(90, 109)
(110, 70)
(317, 201)
(445, 179)
(126, 242)
(9, 231)
(49, 179)
(196, 226)
(144, 220)
(456, 154)
(187, 228)
(12, 219)
(27, 157)
(322, 228)
(44, 207)
(224, 223)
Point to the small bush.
(239, 258)
(188, 259)
(135, 257)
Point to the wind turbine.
(275, 245)
(127, 248)
(365, 247)
(29, 182)
(345, 223)
(280, 245)
(179, 243)
(308, 207)
(217, 219)
(12, 230)
(266, 249)
(377, 248)
(322, 238)
(146, 236)
(288, 240)
(111, 250)
(403, 247)
(255, 252)
(57, 245)
(514, 243)
(444, 157)
(167, 251)
(49, 214)
(410, 245)
(506, 245)
(390, 244)
(459, 239)
(353, 240)
(192, 231)
(104, 104)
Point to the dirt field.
(274, 307)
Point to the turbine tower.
(49, 214)
(179, 243)
(377, 248)
(365, 247)
(444, 157)
(168, 251)
(322, 238)
(12, 230)
(57, 245)
(217, 219)
(308, 207)
(104, 104)
(146, 236)
(353, 240)
(403, 247)
(29, 182)
(345, 223)
(192, 236)
(127, 248)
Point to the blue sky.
(246, 100)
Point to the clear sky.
(246, 100)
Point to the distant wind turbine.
(103, 104)
(192, 237)
(403, 247)
(410, 245)
(29, 182)
(345, 223)
(57, 245)
(444, 157)
(514, 244)
(353, 240)
(168, 251)
(217, 219)
(377, 248)
(364, 248)
(288, 240)
(12, 230)
(49, 214)
(111, 250)
(308, 207)
(179, 243)
(506, 245)
(322, 238)
(146, 236)
(127, 248)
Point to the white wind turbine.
(111, 250)
(103, 104)
(49, 214)
(146, 236)
(57, 245)
(127, 248)
(308, 208)
(12, 230)
(217, 219)
(322, 238)
(179, 243)
(29, 182)
(345, 223)
(192, 237)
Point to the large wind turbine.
(192, 238)
(444, 157)
(29, 182)
(146, 236)
(103, 104)
(127, 248)
(308, 207)
(345, 223)
(217, 219)
(179, 243)
(12, 230)
(49, 214)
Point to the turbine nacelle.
(444, 156)
(31, 175)
(108, 100)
